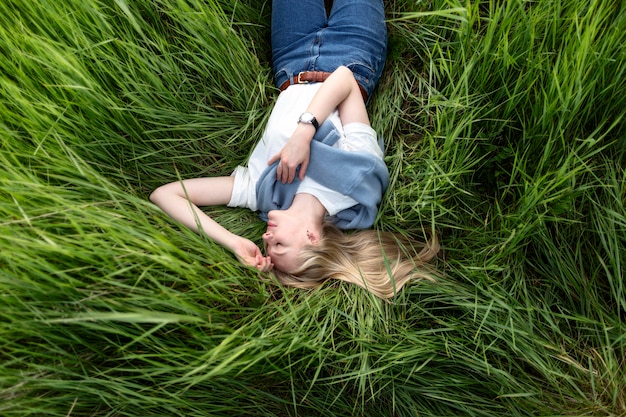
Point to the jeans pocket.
(363, 73)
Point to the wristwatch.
(307, 117)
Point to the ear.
(314, 237)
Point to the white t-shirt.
(291, 103)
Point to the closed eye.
(271, 249)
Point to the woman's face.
(285, 238)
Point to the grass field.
(505, 128)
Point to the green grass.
(505, 129)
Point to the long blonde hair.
(380, 262)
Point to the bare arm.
(181, 201)
(340, 90)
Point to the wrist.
(304, 132)
(231, 241)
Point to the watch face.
(306, 117)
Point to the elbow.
(157, 196)
(348, 77)
(345, 72)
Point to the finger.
(285, 170)
(274, 159)
(259, 262)
(279, 172)
(263, 264)
(268, 264)
(292, 175)
(285, 174)
(303, 168)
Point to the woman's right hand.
(249, 253)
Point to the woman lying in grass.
(318, 167)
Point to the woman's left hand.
(294, 154)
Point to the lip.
(271, 224)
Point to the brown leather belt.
(306, 77)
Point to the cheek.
(287, 235)
(285, 264)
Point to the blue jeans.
(305, 39)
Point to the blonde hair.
(380, 262)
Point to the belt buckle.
(300, 80)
